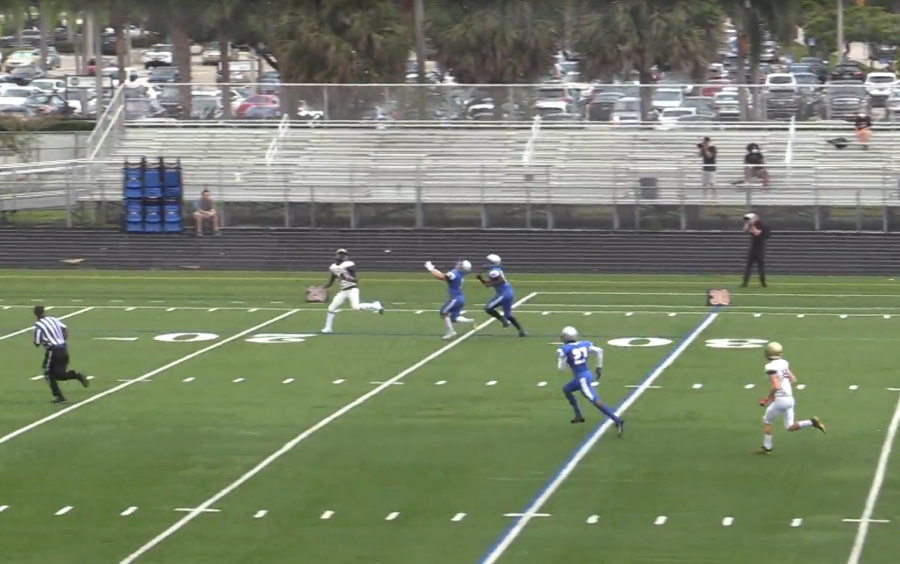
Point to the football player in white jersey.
(780, 401)
(344, 272)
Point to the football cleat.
(326, 331)
(59, 399)
(450, 336)
(763, 450)
(578, 419)
(82, 378)
(523, 334)
(620, 428)
(818, 424)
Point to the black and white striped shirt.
(50, 332)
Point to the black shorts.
(56, 362)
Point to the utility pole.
(419, 9)
(840, 29)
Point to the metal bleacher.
(487, 163)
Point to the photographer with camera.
(708, 154)
(759, 233)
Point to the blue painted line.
(497, 548)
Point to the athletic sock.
(495, 314)
(514, 322)
(609, 413)
(767, 441)
(329, 321)
(574, 404)
(449, 323)
(805, 423)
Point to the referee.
(51, 333)
(759, 233)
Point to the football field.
(219, 427)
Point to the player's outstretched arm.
(435, 272)
(560, 360)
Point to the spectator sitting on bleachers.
(204, 209)
(754, 165)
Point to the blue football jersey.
(455, 283)
(498, 280)
(576, 355)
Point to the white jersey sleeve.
(780, 369)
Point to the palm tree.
(336, 41)
(222, 13)
(501, 42)
(618, 37)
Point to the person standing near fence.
(759, 233)
(708, 154)
(52, 334)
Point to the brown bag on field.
(316, 294)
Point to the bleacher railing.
(521, 102)
(865, 191)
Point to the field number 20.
(262, 338)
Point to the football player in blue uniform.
(503, 296)
(574, 354)
(451, 310)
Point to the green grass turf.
(431, 451)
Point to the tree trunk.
(45, 26)
(645, 79)
(18, 24)
(224, 50)
(181, 44)
(118, 23)
(742, 76)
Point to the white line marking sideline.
(21, 331)
(877, 482)
(146, 376)
(308, 433)
(533, 510)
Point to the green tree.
(866, 24)
(621, 36)
(336, 41)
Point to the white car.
(881, 84)
(665, 98)
(781, 81)
(16, 95)
(49, 84)
(18, 59)
(669, 117)
(159, 55)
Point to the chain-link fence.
(566, 102)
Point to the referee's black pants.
(56, 364)
(757, 257)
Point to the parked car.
(714, 86)
(879, 86)
(727, 106)
(142, 108)
(49, 84)
(53, 60)
(784, 104)
(703, 105)
(49, 105)
(780, 81)
(844, 99)
(884, 52)
(817, 67)
(16, 96)
(211, 54)
(627, 111)
(207, 107)
(164, 75)
(552, 109)
(105, 63)
(602, 104)
(847, 70)
(159, 55)
(21, 58)
(665, 98)
(25, 74)
(265, 101)
(669, 117)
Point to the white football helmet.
(569, 335)
(464, 266)
(494, 260)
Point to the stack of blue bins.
(153, 197)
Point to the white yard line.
(146, 376)
(302, 437)
(875, 491)
(27, 329)
(534, 509)
(743, 295)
